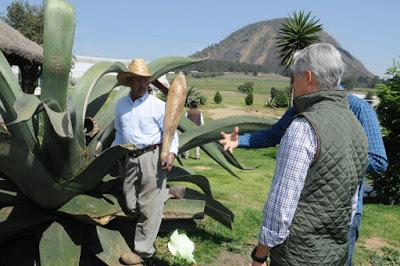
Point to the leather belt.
(137, 153)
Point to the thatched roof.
(12, 42)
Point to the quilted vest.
(318, 233)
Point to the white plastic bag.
(181, 246)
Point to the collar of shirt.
(138, 100)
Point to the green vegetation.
(246, 87)
(298, 32)
(217, 97)
(27, 19)
(388, 185)
(280, 98)
(249, 98)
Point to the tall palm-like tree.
(298, 32)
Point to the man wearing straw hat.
(139, 121)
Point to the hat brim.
(122, 77)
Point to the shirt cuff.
(174, 150)
(271, 238)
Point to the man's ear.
(308, 76)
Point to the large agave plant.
(59, 204)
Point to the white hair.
(324, 61)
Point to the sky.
(126, 29)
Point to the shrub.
(387, 185)
(280, 97)
(249, 98)
(217, 97)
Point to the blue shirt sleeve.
(377, 159)
(269, 137)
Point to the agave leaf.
(213, 208)
(60, 122)
(232, 160)
(183, 209)
(15, 219)
(25, 107)
(39, 187)
(100, 94)
(105, 118)
(164, 65)
(92, 175)
(57, 248)
(10, 195)
(211, 149)
(92, 209)
(81, 95)
(9, 93)
(212, 130)
(199, 180)
(58, 37)
(108, 245)
(177, 171)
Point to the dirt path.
(218, 113)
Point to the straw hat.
(137, 68)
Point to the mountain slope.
(256, 44)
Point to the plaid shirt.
(377, 159)
(295, 155)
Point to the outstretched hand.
(230, 141)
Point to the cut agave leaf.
(164, 65)
(183, 209)
(92, 209)
(57, 248)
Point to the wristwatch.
(258, 259)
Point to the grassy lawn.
(216, 245)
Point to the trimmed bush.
(249, 99)
(217, 97)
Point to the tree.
(246, 87)
(27, 19)
(387, 185)
(217, 97)
(298, 32)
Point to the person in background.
(196, 116)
